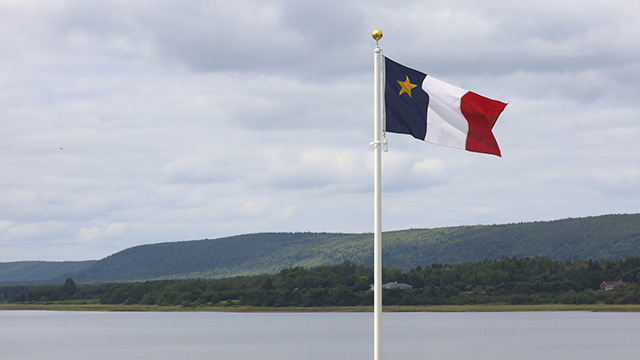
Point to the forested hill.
(598, 238)
(35, 271)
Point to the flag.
(432, 110)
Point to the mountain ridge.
(596, 237)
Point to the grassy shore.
(437, 308)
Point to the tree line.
(509, 280)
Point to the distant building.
(609, 285)
(394, 285)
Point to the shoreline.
(426, 308)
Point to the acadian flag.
(432, 110)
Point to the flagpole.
(377, 198)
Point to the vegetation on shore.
(509, 281)
(423, 308)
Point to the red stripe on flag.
(481, 113)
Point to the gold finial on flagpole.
(376, 35)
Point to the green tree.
(70, 287)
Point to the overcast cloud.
(134, 122)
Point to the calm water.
(229, 336)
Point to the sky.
(137, 122)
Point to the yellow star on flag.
(406, 86)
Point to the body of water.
(28, 335)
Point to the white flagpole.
(377, 198)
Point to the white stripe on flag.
(444, 103)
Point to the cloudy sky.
(135, 122)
